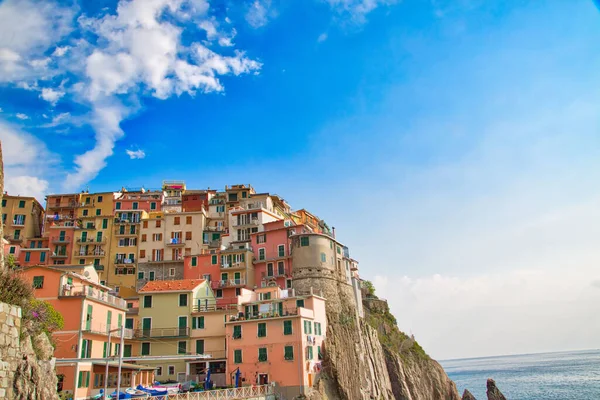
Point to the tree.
(368, 286)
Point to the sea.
(548, 376)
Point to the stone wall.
(161, 272)
(10, 321)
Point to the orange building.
(35, 252)
(22, 220)
(277, 337)
(90, 314)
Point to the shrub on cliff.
(15, 290)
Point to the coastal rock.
(467, 395)
(493, 393)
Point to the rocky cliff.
(370, 358)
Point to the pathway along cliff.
(370, 358)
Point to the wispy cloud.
(136, 154)
(22, 116)
(356, 10)
(51, 96)
(322, 37)
(260, 13)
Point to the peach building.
(60, 225)
(90, 314)
(34, 252)
(277, 336)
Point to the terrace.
(93, 294)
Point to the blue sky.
(453, 144)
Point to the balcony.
(61, 240)
(99, 267)
(228, 283)
(91, 240)
(274, 313)
(59, 254)
(250, 222)
(58, 217)
(124, 261)
(63, 204)
(232, 266)
(127, 233)
(232, 306)
(88, 227)
(122, 221)
(176, 242)
(90, 254)
(92, 293)
(162, 333)
(102, 329)
(18, 223)
(86, 204)
(14, 238)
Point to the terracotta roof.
(183, 285)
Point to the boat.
(136, 394)
(171, 388)
(153, 391)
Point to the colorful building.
(166, 324)
(90, 315)
(34, 252)
(277, 336)
(22, 219)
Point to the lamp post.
(122, 330)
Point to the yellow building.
(94, 216)
(165, 323)
(22, 218)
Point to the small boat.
(153, 391)
(171, 389)
(136, 394)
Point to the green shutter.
(105, 223)
(105, 345)
(200, 346)
(237, 356)
(262, 329)
(119, 320)
(193, 322)
(108, 320)
(262, 354)
(289, 353)
(287, 327)
(127, 350)
(87, 379)
(80, 380)
(200, 322)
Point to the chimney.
(333, 231)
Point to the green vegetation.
(10, 261)
(368, 286)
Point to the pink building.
(277, 337)
(273, 264)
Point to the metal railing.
(91, 240)
(227, 283)
(176, 242)
(245, 392)
(63, 204)
(65, 239)
(216, 307)
(59, 254)
(124, 261)
(161, 332)
(91, 253)
(286, 312)
(239, 264)
(103, 329)
(89, 292)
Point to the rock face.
(468, 396)
(493, 393)
(26, 369)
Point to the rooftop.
(182, 285)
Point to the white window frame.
(159, 370)
(171, 273)
(169, 370)
(265, 254)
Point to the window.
(129, 323)
(281, 250)
(140, 274)
(237, 331)
(153, 205)
(280, 268)
(318, 328)
(142, 253)
(105, 223)
(213, 259)
(22, 204)
(339, 250)
(244, 195)
(188, 220)
(262, 329)
(86, 348)
(323, 258)
(156, 237)
(270, 269)
(43, 256)
(171, 370)
(182, 347)
(177, 221)
(188, 236)
(199, 346)
(98, 211)
(219, 293)
(288, 353)
(151, 277)
(300, 303)
(262, 354)
(158, 223)
(194, 261)
(84, 379)
(134, 206)
(183, 300)
(27, 256)
(261, 254)
(304, 241)
(144, 237)
(287, 327)
(38, 282)
(237, 356)
(158, 372)
(132, 230)
(307, 327)
(12, 250)
(148, 299)
(118, 205)
(319, 354)
(99, 199)
(198, 322)
(3, 202)
(309, 353)
(261, 238)
(171, 271)
(145, 351)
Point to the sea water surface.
(547, 376)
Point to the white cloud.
(357, 10)
(136, 154)
(26, 160)
(60, 51)
(322, 37)
(259, 13)
(51, 95)
(22, 116)
(60, 119)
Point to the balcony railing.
(88, 204)
(92, 293)
(88, 226)
(286, 312)
(101, 329)
(175, 242)
(59, 254)
(99, 267)
(60, 239)
(236, 265)
(161, 333)
(217, 307)
(18, 222)
(253, 221)
(91, 240)
(63, 204)
(91, 254)
(228, 283)
(124, 261)
(14, 238)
